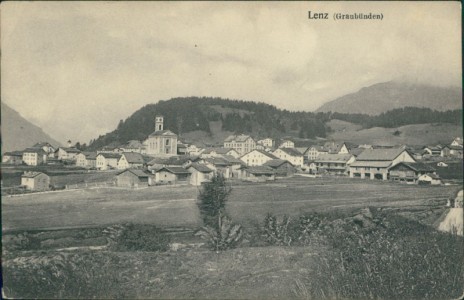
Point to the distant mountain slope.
(18, 133)
(416, 134)
(382, 97)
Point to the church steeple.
(159, 120)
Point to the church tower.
(159, 123)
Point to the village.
(163, 159)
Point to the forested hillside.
(193, 114)
(183, 115)
(403, 116)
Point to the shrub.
(225, 237)
(212, 200)
(137, 237)
(276, 232)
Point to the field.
(175, 206)
(48, 253)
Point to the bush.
(137, 237)
(395, 259)
(276, 232)
(225, 237)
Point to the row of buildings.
(162, 158)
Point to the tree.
(219, 231)
(212, 200)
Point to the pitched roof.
(333, 158)
(417, 167)
(138, 173)
(275, 163)
(34, 150)
(218, 150)
(387, 154)
(163, 132)
(42, 144)
(291, 151)
(268, 154)
(302, 150)
(133, 157)
(260, 170)
(455, 147)
(232, 159)
(69, 149)
(431, 175)
(13, 153)
(110, 155)
(31, 174)
(356, 151)
(237, 138)
(371, 163)
(174, 170)
(132, 144)
(173, 160)
(201, 168)
(217, 161)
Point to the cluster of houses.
(163, 159)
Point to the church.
(161, 142)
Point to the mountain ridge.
(381, 97)
(18, 133)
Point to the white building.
(291, 155)
(257, 157)
(241, 143)
(161, 142)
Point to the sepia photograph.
(231, 150)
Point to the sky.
(77, 68)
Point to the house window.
(167, 142)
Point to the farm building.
(432, 179)
(133, 146)
(133, 178)
(257, 173)
(267, 142)
(290, 154)
(282, 168)
(161, 142)
(241, 143)
(199, 174)
(313, 152)
(34, 156)
(63, 153)
(130, 160)
(374, 163)
(86, 159)
(257, 157)
(432, 150)
(181, 149)
(172, 175)
(234, 165)
(334, 163)
(219, 165)
(456, 151)
(218, 152)
(49, 149)
(457, 142)
(13, 158)
(287, 144)
(173, 161)
(445, 151)
(409, 172)
(105, 161)
(35, 181)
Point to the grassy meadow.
(345, 239)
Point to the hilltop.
(207, 121)
(381, 97)
(18, 133)
(210, 120)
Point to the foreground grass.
(378, 255)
